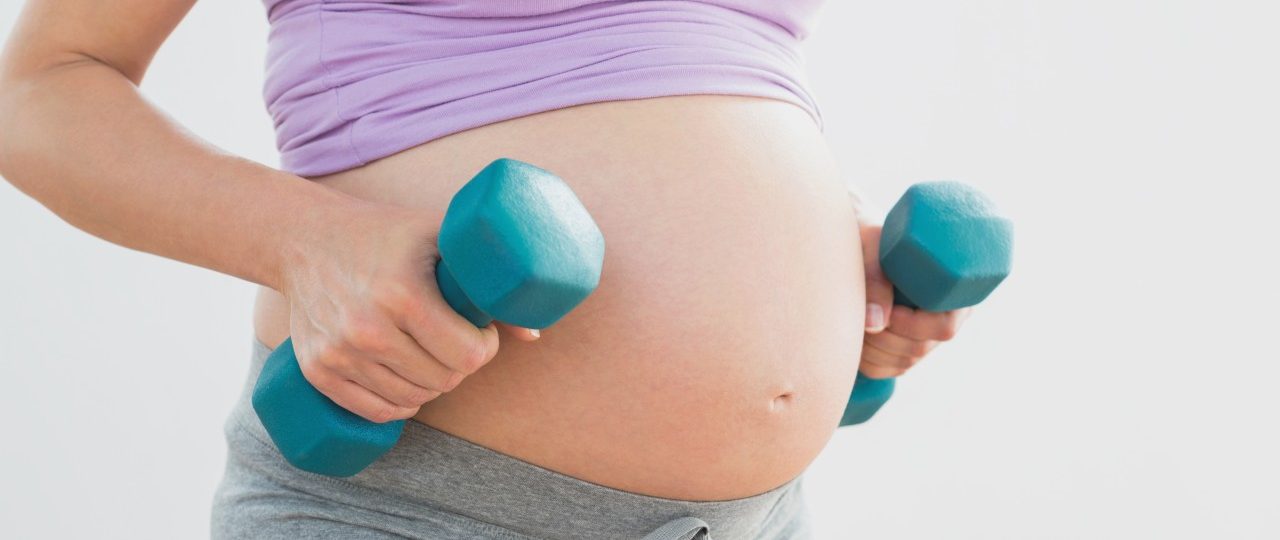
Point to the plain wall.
(1121, 384)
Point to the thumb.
(879, 290)
(519, 332)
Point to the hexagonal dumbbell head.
(518, 246)
(945, 247)
(312, 432)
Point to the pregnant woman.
(683, 399)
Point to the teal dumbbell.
(516, 245)
(943, 247)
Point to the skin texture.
(730, 306)
(712, 363)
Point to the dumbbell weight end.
(363, 441)
(867, 397)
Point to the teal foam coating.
(521, 244)
(457, 299)
(944, 247)
(867, 398)
(312, 432)
(516, 245)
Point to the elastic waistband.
(432, 471)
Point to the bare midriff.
(716, 356)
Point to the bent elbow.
(13, 149)
(8, 132)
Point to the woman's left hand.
(897, 337)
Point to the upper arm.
(122, 34)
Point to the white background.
(1122, 383)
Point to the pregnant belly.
(715, 358)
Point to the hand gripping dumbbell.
(516, 245)
(943, 247)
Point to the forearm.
(83, 141)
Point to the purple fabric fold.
(348, 82)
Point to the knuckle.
(366, 335)
(382, 414)
(418, 395)
(918, 349)
(393, 294)
(319, 348)
(318, 377)
(433, 376)
(340, 363)
(330, 356)
(453, 379)
(412, 306)
(948, 331)
(490, 344)
(474, 356)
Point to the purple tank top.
(351, 81)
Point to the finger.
(355, 398)
(897, 345)
(448, 336)
(924, 325)
(883, 358)
(413, 363)
(519, 332)
(879, 290)
(373, 340)
(878, 364)
(362, 362)
(384, 382)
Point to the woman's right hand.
(370, 327)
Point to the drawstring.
(685, 528)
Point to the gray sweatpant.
(437, 486)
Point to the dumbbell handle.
(457, 299)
